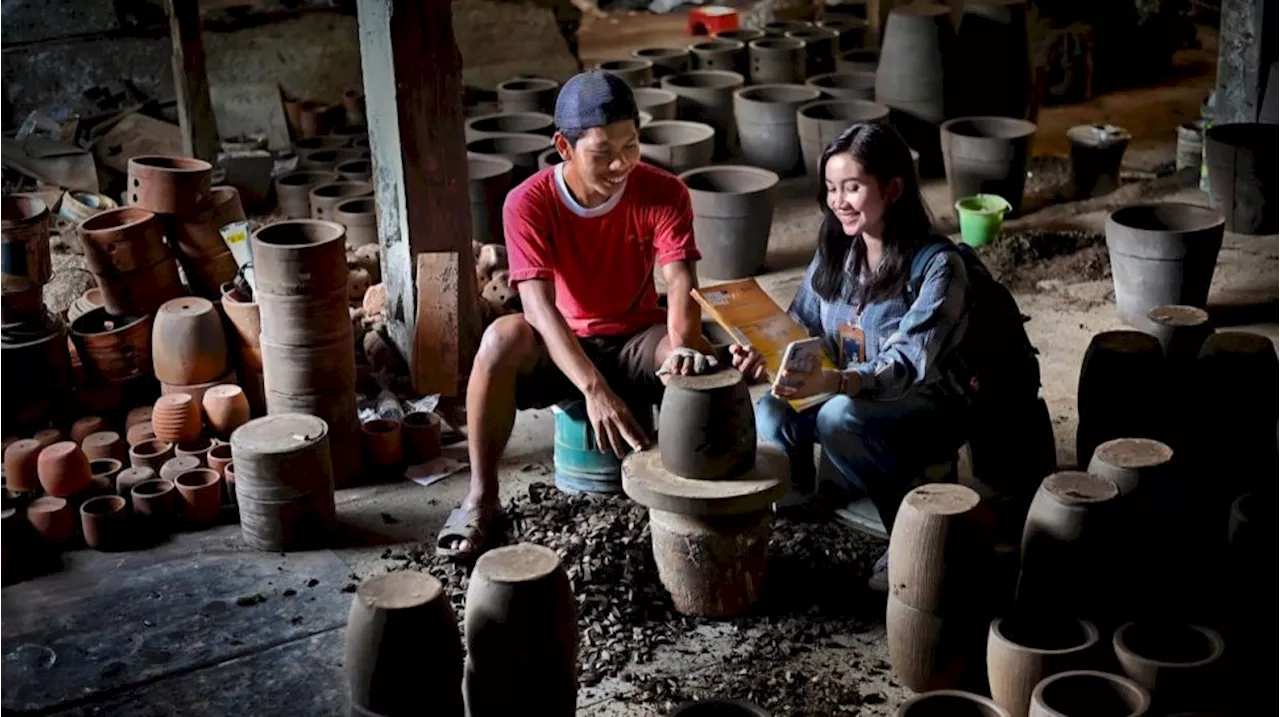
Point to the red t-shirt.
(601, 259)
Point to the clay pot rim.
(299, 233)
(170, 163)
(717, 43)
(1214, 639)
(196, 478)
(496, 165)
(413, 420)
(103, 505)
(629, 64)
(85, 324)
(32, 210)
(802, 93)
(307, 177)
(1090, 631)
(362, 165)
(781, 44)
(828, 79)
(989, 127)
(864, 110)
(532, 84)
(186, 306)
(534, 142)
(125, 217)
(224, 390)
(1141, 218)
(193, 447)
(989, 704)
(380, 426)
(845, 23)
(767, 179)
(1073, 498)
(657, 94)
(730, 79)
(216, 452)
(861, 54)
(48, 504)
(357, 207)
(539, 120)
(119, 465)
(1120, 681)
(687, 133)
(734, 35)
(164, 447)
(661, 53)
(153, 487)
(816, 33)
(59, 450)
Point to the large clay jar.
(1024, 649)
(521, 633)
(392, 617)
(176, 418)
(20, 473)
(200, 491)
(951, 703)
(706, 426)
(420, 433)
(187, 342)
(169, 185)
(940, 549)
(1180, 665)
(53, 519)
(155, 503)
(226, 408)
(1087, 693)
(105, 522)
(150, 454)
(383, 447)
(63, 469)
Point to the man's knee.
(508, 342)
(772, 415)
(838, 419)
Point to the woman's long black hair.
(907, 222)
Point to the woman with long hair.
(896, 408)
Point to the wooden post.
(413, 100)
(195, 110)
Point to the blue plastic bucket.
(580, 467)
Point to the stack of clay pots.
(307, 342)
(284, 481)
(244, 334)
(198, 242)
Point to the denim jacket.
(907, 342)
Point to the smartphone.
(803, 356)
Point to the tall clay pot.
(187, 342)
(732, 216)
(915, 54)
(1162, 254)
(819, 49)
(1180, 665)
(360, 218)
(677, 146)
(299, 257)
(706, 96)
(284, 479)
(126, 251)
(1023, 650)
(169, 185)
(777, 60)
(987, 155)
(1242, 175)
(767, 130)
(707, 425)
(489, 181)
(818, 123)
(1119, 389)
(939, 550)
(1088, 693)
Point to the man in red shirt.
(583, 238)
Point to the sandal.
(470, 524)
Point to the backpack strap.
(920, 262)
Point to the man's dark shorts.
(626, 362)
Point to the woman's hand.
(801, 384)
(747, 360)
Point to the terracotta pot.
(1119, 390)
(951, 703)
(140, 414)
(200, 234)
(197, 390)
(306, 320)
(48, 437)
(309, 369)
(130, 477)
(141, 291)
(1088, 693)
(360, 218)
(150, 454)
(20, 472)
(293, 191)
(382, 443)
(284, 482)
(24, 232)
(178, 465)
(206, 274)
(63, 469)
(242, 315)
(102, 476)
(105, 522)
(104, 444)
(940, 549)
(139, 433)
(1180, 665)
(200, 491)
(155, 503)
(113, 349)
(176, 418)
(326, 197)
(188, 345)
(219, 458)
(85, 426)
(197, 449)
(53, 519)
(121, 241)
(420, 432)
(299, 257)
(226, 408)
(1023, 650)
(353, 103)
(169, 185)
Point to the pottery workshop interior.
(652, 358)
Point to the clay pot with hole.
(140, 432)
(382, 443)
(197, 449)
(84, 427)
(356, 170)
(63, 469)
(155, 506)
(951, 703)
(24, 229)
(188, 344)
(20, 473)
(666, 60)
(299, 257)
(104, 444)
(169, 185)
(326, 197)
(521, 150)
(226, 408)
(150, 454)
(199, 235)
(360, 218)
(528, 94)
(1022, 650)
(720, 54)
(176, 418)
(105, 522)
(499, 123)
(1179, 664)
(200, 493)
(677, 146)
(636, 72)
(777, 60)
(111, 348)
(54, 520)
(127, 478)
(178, 465)
(819, 49)
(126, 252)
(136, 415)
(293, 191)
(1089, 693)
(420, 432)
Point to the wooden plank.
(195, 110)
(438, 358)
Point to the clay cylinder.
(818, 123)
(1118, 390)
(720, 54)
(939, 549)
(104, 521)
(338, 410)
(1087, 692)
(187, 342)
(635, 72)
(150, 454)
(706, 96)
(712, 566)
(392, 617)
(155, 505)
(325, 198)
(20, 474)
(383, 447)
(1096, 154)
(1180, 665)
(25, 263)
(521, 633)
(1023, 650)
(677, 146)
(489, 180)
(169, 185)
(420, 433)
(819, 49)
(284, 482)
(950, 703)
(360, 218)
(987, 155)
(293, 191)
(306, 320)
(126, 251)
(521, 150)
(918, 42)
(707, 426)
(528, 94)
(767, 131)
(1181, 330)
(309, 369)
(1242, 175)
(199, 235)
(197, 449)
(299, 257)
(929, 652)
(777, 61)
(497, 123)
(732, 215)
(845, 85)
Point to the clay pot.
(219, 457)
(25, 306)
(293, 191)
(53, 519)
(200, 493)
(178, 465)
(549, 158)
(660, 104)
(818, 123)
(104, 444)
(139, 433)
(767, 130)
(1242, 178)
(24, 233)
(83, 427)
(63, 469)
(489, 180)
(1131, 463)
(187, 342)
(707, 97)
(707, 426)
(420, 432)
(197, 390)
(1096, 154)
(48, 437)
(197, 449)
(845, 85)
(720, 54)
(851, 32)
(176, 418)
(36, 376)
(111, 348)
(354, 104)
(199, 235)
(528, 94)
(951, 703)
(136, 415)
(666, 60)
(634, 72)
(927, 652)
(741, 34)
(299, 257)
(1087, 693)
(20, 471)
(392, 616)
(130, 477)
(150, 454)
(1181, 330)
(327, 160)
(309, 369)
(284, 481)
(917, 47)
(242, 315)
(1119, 390)
(1180, 665)
(169, 185)
(777, 60)
(677, 146)
(819, 49)
(521, 633)
(317, 318)
(940, 549)
(521, 150)
(866, 59)
(326, 197)
(732, 214)
(155, 503)
(499, 123)
(382, 443)
(105, 522)
(360, 218)
(356, 170)
(987, 155)
(226, 408)
(1023, 650)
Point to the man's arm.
(684, 316)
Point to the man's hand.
(747, 360)
(795, 384)
(614, 426)
(685, 361)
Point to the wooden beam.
(195, 110)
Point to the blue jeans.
(876, 446)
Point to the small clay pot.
(197, 390)
(1179, 664)
(420, 433)
(20, 473)
(53, 519)
(150, 454)
(178, 465)
(85, 426)
(326, 197)
(226, 408)
(176, 418)
(105, 522)
(102, 475)
(1089, 693)
(1024, 649)
(201, 493)
(155, 503)
(130, 477)
(139, 433)
(140, 414)
(63, 469)
(197, 449)
(382, 442)
(360, 217)
(104, 444)
(169, 185)
(48, 437)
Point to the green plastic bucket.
(980, 217)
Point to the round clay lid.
(648, 483)
(706, 382)
(1178, 315)
(523, 562)
(1134, 453)
(1079, 488)
(278, 433)
(943, 499)
(399, 590)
